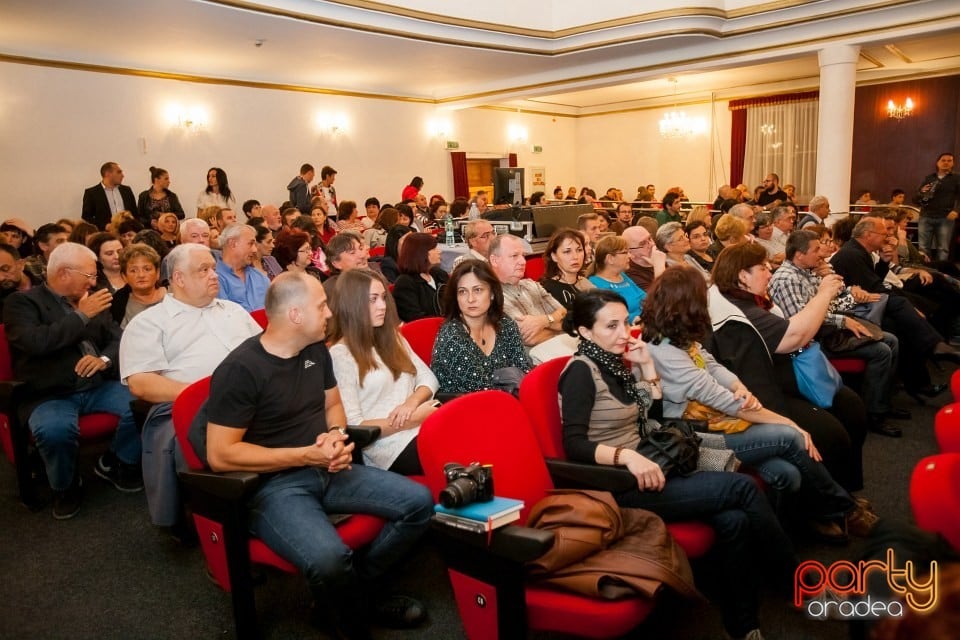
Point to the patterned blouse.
(461, 366)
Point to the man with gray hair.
(537, 313)
(647, 262)
(478, 234)
(64, 346)
(192, 231)
(819, 211)
(746, 213)
(166, 348)
(239, 280)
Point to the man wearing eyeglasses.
(624, 218)
(64, 345)
(477, 234)
(646, 261)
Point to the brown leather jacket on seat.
(607, 552)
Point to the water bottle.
(448, 227)
(474, 212)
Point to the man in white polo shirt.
(166, 348)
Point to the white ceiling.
(538, 58)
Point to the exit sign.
(453, 144)
(537, 148)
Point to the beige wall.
(58, 126)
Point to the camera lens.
(458, 493)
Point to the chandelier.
(900, 111)
(676, 124)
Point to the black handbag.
(674, 447)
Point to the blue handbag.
(817, 379)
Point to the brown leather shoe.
(861, 522)
(828, 532)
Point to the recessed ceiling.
(410, 51)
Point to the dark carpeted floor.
(108, 574)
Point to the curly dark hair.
(676, 308)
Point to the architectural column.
(838, 84)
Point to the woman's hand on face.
(637, 352)
(648, 474)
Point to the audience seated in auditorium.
(646, 260)
(80, 232)
(252, 209)
(64, 345)
(345, 251)
(612, 261)
(265, 262)
(792, 288)
(818, 210)
(671, 209)
(12, 277)
(477, 234)
(395, 237)
(764, 230)
(476, 339)
(48, 237)
(239, 280)
(418, 290)
(589, 226)
(272, 219)
(107, 197)
(604, 404)
(140, 270)
(538, 314)
(756, 344)
(696, 387)
(698, 233)
(127, 229)
(317, 242)
(672, 240)
(624, 218)
(772, 195)
(382, 381)
(158, 197)
(563, 266)
(729, 232)
(348, 217)
(748, 215)
(275, 407)
(192, 231)
(292, 252)
(217, 193)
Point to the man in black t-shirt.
(274, 408)
(772, 195)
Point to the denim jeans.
(881, 361)
(748, 535)
(776, 451)
(289, 513)
(57, 434)
(938, 231)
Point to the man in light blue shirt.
(239, 280)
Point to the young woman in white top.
(382, 382)
(217, 192)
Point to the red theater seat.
(421, 334)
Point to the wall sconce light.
(439, 128)
(332, 124)
(898, 111)
(191, 120)
(517, 134)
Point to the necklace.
(483, 331)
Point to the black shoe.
(184, 534)
(876, 424)
(125, 477)
(929, 391)
(899, 414)
(66, 504)
(399, 612)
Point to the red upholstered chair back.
(955, 385)
(534, 269)
(935, 495)
(185, 407)
(6, 361)
(947, 427)
(376, 252)
(538, 395)
(489, 427)
(260, 317)
(421, 334)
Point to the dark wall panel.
(889, 153)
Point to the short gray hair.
(180, 255)
(68, 254)
(816, 201)
(189, 223)
(778, 212)
(233, 232)
(742, 210)
(341, 243)
(665, 234)
(863, 226)
(496, 244)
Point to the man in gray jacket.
(299, 189)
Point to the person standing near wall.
(939, 200)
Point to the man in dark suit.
(110, 196)
(64, 346)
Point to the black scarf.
(613, 364)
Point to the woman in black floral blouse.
(476, 339)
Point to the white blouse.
(377, 397)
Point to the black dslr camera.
(473, 483)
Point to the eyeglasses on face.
(88, 276)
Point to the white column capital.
(838, 54)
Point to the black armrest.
(447, 396)
(233, 486)
(8, 390)
(513, 543)
(362, 435)
(579, 475)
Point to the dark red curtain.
(512, 160)
(461, 186)
(738, 145)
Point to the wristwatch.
(549, 318)
(106, 361)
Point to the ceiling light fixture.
(676, 124)
(900, 111)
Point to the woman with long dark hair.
(217, 192)
(395, 237)
(605, 392)
(563, 266)
(382, 382)
(419, 287)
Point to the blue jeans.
(881, 361)
(289, 513)
(748, 535)
(776, 451)
(937, 231)
(57, 434)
